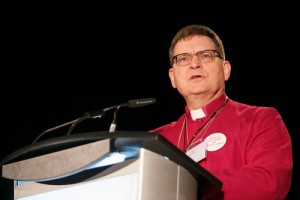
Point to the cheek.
(220, 74)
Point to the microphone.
(140, 102)
(131, 104)
(134, 103)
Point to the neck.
(199, 101)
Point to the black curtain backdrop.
(59, 61)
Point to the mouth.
(195, 77)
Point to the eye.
(207, 55)
(183, 58)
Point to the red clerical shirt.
(249, 147)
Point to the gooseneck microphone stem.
(54, 128)
(98, 114)
(75, 123)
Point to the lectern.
(102, 165)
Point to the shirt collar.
(207, 110)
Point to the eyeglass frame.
(214, 55)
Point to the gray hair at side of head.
(193, 30)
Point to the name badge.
(198, 152)
(215, 141)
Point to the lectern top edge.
(120, 139)
(63, 142)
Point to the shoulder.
(169, 126)
(257, 119)
(244, 108)
(252, 113)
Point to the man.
(248, 148)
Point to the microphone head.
(140, 102)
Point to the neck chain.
(198, 132)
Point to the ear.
(227, 70)
(171, 76)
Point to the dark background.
(59, 61)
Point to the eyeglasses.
(203, 56)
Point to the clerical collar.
(197, 114)
(207, 109)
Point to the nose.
(195, 63)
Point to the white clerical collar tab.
(196, 114)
